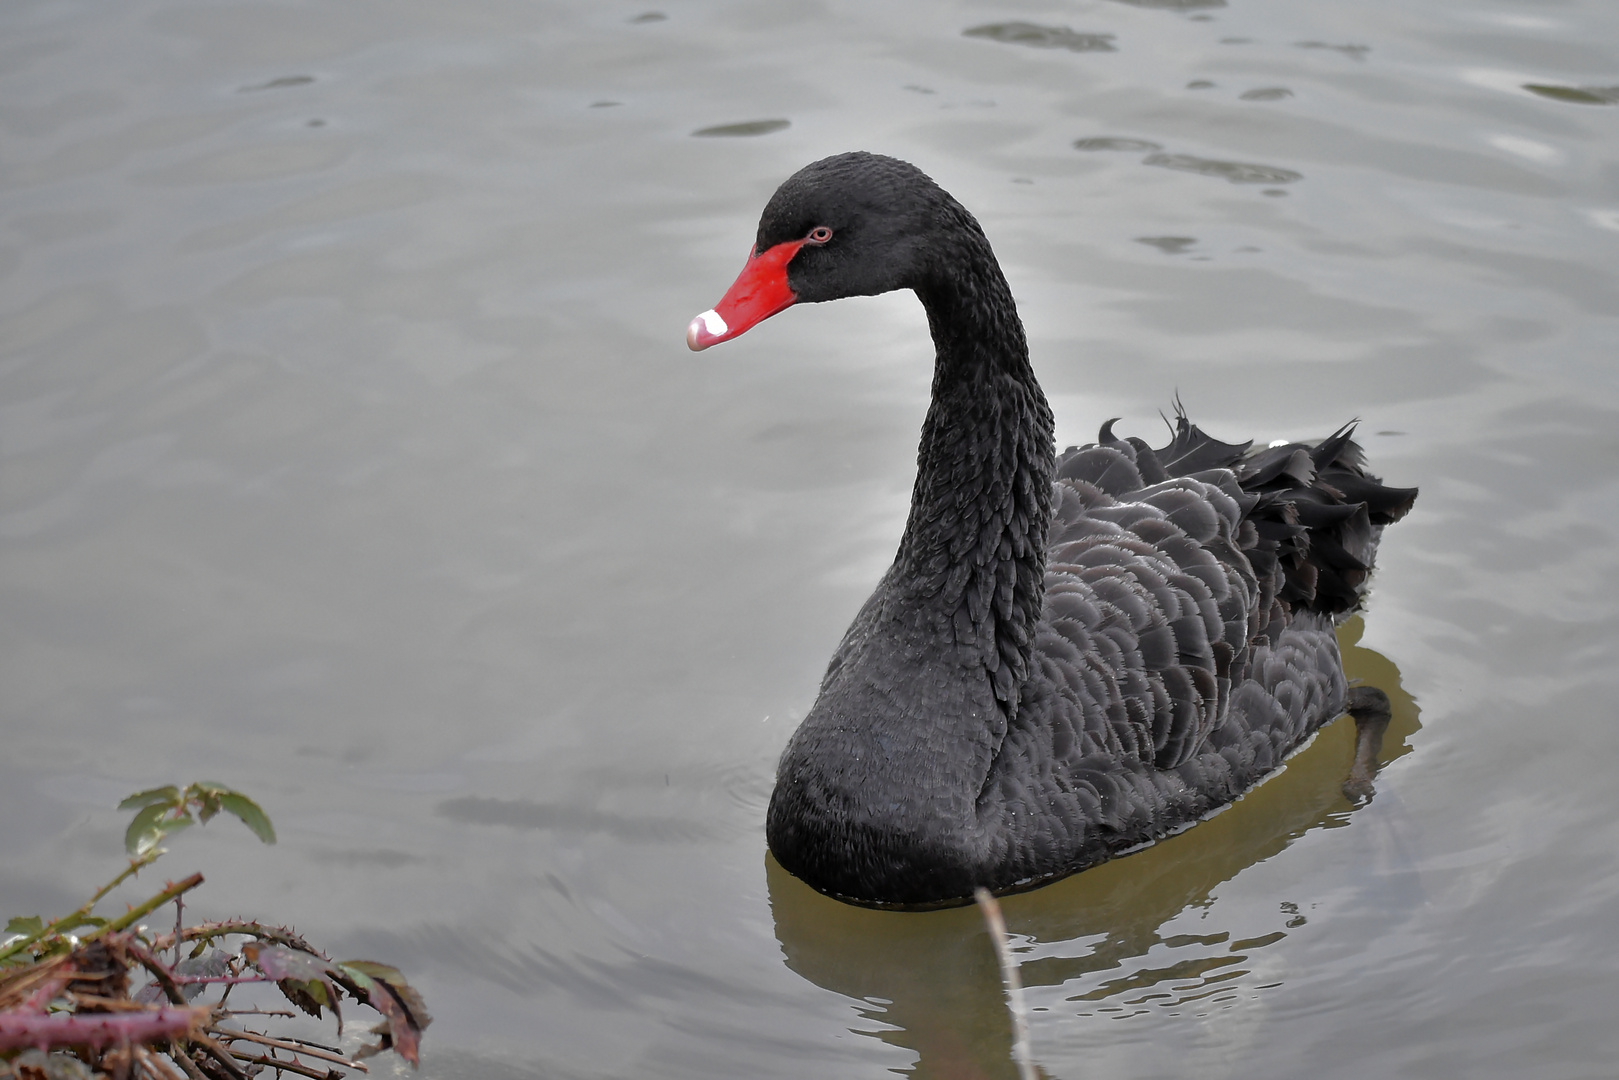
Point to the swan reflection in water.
(930, 981)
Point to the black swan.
(1072, 655)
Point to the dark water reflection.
(1234, 172)
(1097, 938)
(1042, 37)
(744, 128)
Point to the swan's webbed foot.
(1372, 712)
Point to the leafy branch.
(66, 1007)
(166, 810)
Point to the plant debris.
(69, 1010)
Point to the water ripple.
(1576, 95)
(1354, 52)
(1174, 5)
(281, 83)
(526, 814)
(1042, 37)
(1237, 172)
(1169, 245)
(1104, 142)
(743, 129)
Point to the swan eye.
(818, 235)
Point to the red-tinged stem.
(19, 1031)
(159, 970)
(278, 934)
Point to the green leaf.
(52, 946)
(26, 924)
(404, 1031)
(142, 832)
(373, 970)
(169, 795)
(150, 827)
(168, 825)
(391, 977)
(280, 962)
(204, 795)
(297, 992)
(304, 978)
(248, 810)
(353, 973)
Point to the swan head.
(855, 224)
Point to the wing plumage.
(1186, 643)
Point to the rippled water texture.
(350, 453)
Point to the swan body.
(1071, 655)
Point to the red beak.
(758, 292)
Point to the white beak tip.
(705, 330)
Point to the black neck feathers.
(973, 557)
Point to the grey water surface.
(350, 453)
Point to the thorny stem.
(290, 1066)
(141, 910)
(154, 1064)
(233, 965)
(19, 1030)
(277, 934)
(228, 980)
(164, 977)
(134, 867)
(148, 1043)
(296, 1047)
(178, 1054)
(76, 918)
(223, 1057)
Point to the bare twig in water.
(1014, 987)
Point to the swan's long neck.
(973, 555)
